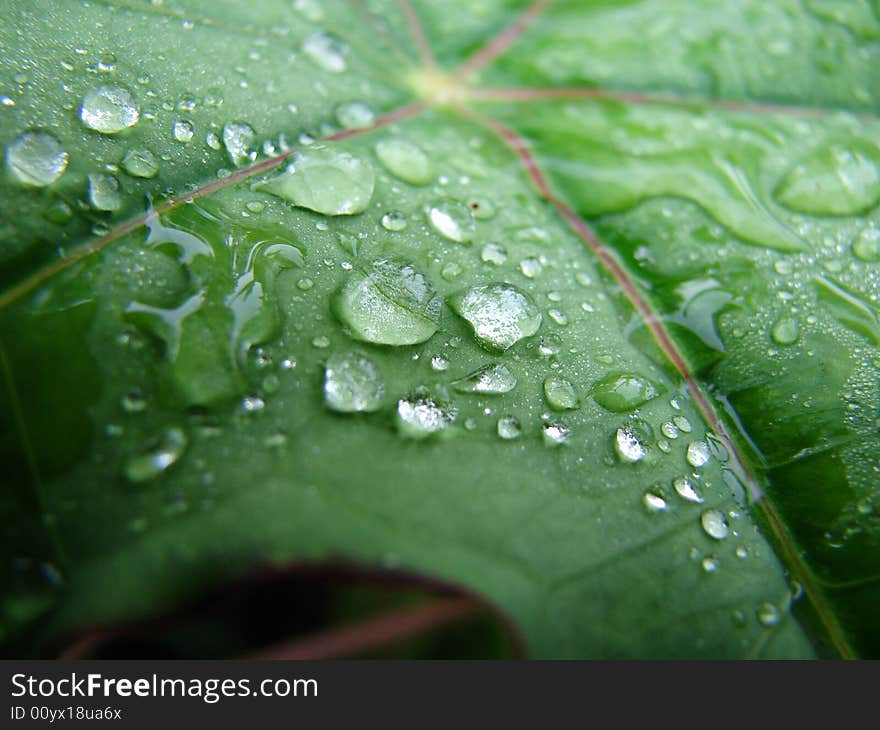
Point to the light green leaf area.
(223, 346)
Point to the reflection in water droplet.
(36, 159)
(405, 160)
(500, 314)
(109, 109)
(151, 464)
(491, 379)
(686, 490)
(439, 363)
(418, 418)
(628, 447)
(715, 524)
(452, 220)
(560, 394)
(698, 454)
(183, 131)
(389, 302)
(238, 138)
(509, 428)
(352, 383)
(326, 179)
(140, 163)
(555, 434)
(326, 51)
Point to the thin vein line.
(782, 536)
(418, 34)
(521, 94)
(502, 41)
(33, 281)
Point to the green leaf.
(572, 304)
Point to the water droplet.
(867, 245)
(309, 9)
(109, 109)
(555, 434)
(450, 271)
(622, 392)
(654, 502)
(833, 180)
(501, 315)
(304, 284)
(490, 379)
(183, 131)
(481, 208)
(509, 428)
(420, 417)
(628, 447)
(326, 51)
(151, 464)
(698, 454)
(558, 317)
(140, 163)
(439, 363)
(452, 220)
(405, 160)
(682, 424)
(354, 115)
(321, 342)
(389, 302)
(104, 192)
(715, 524)
(685, 490)
(669, 430)
(36, 158)
(560, 394)
(238, 139)
(325, 179)
(785, 331)
(531, 267)
(394, 220)
(710, 564)
(741, 552)
(134, 402)
(352, 383)
(212, 139)
(768, 615)
(493, 253)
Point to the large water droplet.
(36, 158)
(622, 392)
(500, 314)
(389, 302)
(628, 446)
(834, 180)
(785, 331)
(405, 160)
(183, 131)
(867, 245)
(326, 179)
(104, 192)
(698, 454)
(715, 524)
(140, 163)
(452, 220)
(354, 115)
(419, 417)
(238, 138)
(560, 394)
(491, 379)
(152, 463)
(685, 490)
(109, 109)
(352, 383)
(326, 51)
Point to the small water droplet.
(531, 267)
(450, 271)
(698, 454)
(238, 139)
(36, 159)
(389, 302)
(405, 160)
(326, 51)
(509, 428)
(140, 163)
(741, 552)
(622, 392)
(710, 564)
(768, 614)
(439, 363)
(489, 380)
(326, 179)
(352, 383)
(867, 245)
(560, 394)
(354, 115)
(785, 331)
(715, 524)
(493, 253)
(152, 463)
(134, 402)
(109, 109)
(322, 342)
(555, 434)
(481, 208)
(183, 131)
(669, 430)
(104, 192)
(682, 423)
(252, 404)
(500, 314)
(419, 417)
(628, 446)
(685, 490)
(654, 502)
(394, 220)
(452, 220)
